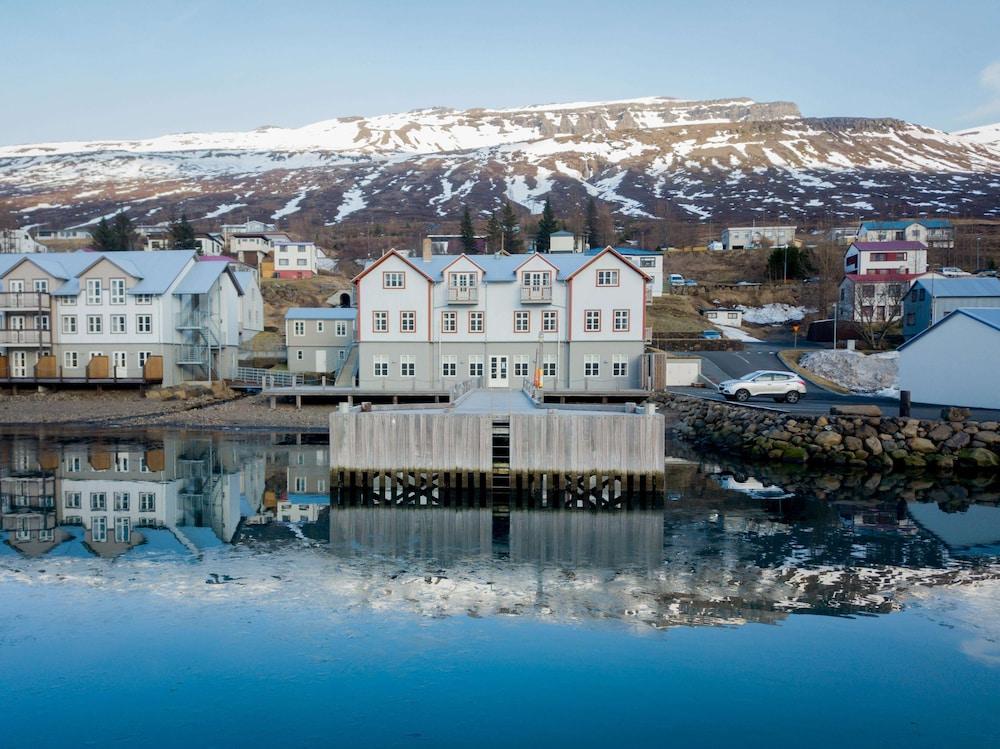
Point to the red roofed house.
(877, 276)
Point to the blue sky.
(80, 69)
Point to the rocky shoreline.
(862, 441)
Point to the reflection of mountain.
(75, 496)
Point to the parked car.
(952, 272)
(690, 282)
(711, 335)
(676, 279)
(782, 386)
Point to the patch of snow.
(224, 208)
(874, 374)
(773, 314)
(292, 206)
(735, 334)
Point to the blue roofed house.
(936, 233)
(319, 339)
(576, 320)
(931, 299)
(100, 316)
(956, 361)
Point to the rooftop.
(988, 316)
(156, 271)
(321, 313)
(888, 246)
(961, 287)
(881, 277)
(927, 223)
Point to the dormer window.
(536, 278)
(462, 280)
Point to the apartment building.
(938, 233)
(104, 315)
(496, 319)
(753, 237)
(318, 339)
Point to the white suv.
(782, 386)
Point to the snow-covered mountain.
(988, 135)
(650, 157)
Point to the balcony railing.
(27, 337)
(29, 300)
(463, 294)
(536, 294)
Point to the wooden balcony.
(24, 300)
(463, 294)
(536, 295)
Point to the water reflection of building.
(307, 486)
(109, 497)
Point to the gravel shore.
(131, 409)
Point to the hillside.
(643, 158)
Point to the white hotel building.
(439, 320)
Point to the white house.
(123, 306)
(497, 319)
(752, 237)
(885, 258)
(956, 361)
(73, 235)
(565, 241)
(732, 316)
(247, 227)
(932, 232)
(19, 241)
(210, 243)
(318, 339)
(294, 259)
(649, 262)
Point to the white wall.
(953, 364)
(413, 297)
(587, 295)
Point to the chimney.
(427, 249)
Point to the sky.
(86, 69)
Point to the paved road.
(724, 365)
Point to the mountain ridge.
(649, 157)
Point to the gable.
(106, 269)
(392, 261)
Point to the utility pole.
(978, 264)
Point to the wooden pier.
(526, 457)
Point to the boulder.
(794, 455)
(853, 443)
(988, 438)
(921, 445)
(958, 440)
(873, 445)
(940, 433)
(828, 439)
(856, 411)
(978, 457)
(910, 428)
(954, 413)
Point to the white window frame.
(144, 321)
(622, 315)
(393, 279)
(123, 501)
(95, 294)
(449, 321)
(70, 360)
(619, 365)
(477, 321)
(298, 328)
(522, 321)
(407, 321)
(320, 326)
(550, 321)
(550, 365)
(340, 328)
(449, 365)
(592, 321)
(407, 365)
(117, 295)
(476, 365)
(380, 321)
(147, 502)
(521, 365)
(607, 277)
(95, 324)
(119, 323)
(380, 366)
(69, 324)
(591, 365)
(99, 528)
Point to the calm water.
(170, 589)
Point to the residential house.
(155, 237)
(255, 250)
(451, 244)
(19, 241)
(732, 316)
(842, 235)
(566, 241)
(251, 304)
(498, 319)
(71, 235)
(294, 259)
(318, 339)
(247, 227)
(210, 243)
(938, 233)
(955, 362)
(100, 315)
(889, 257)
(649, 262)
(930, 300)
(753, 237)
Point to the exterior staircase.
(347, 373)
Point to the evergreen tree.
(468, 232)
(102, 236)
(546, 226)
(494, 233)
(123, 235)
(592, 225)
(182, 234)
(511, 229)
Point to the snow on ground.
(875, 374)
(292, 206)
(773, 314)
(735, 334)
